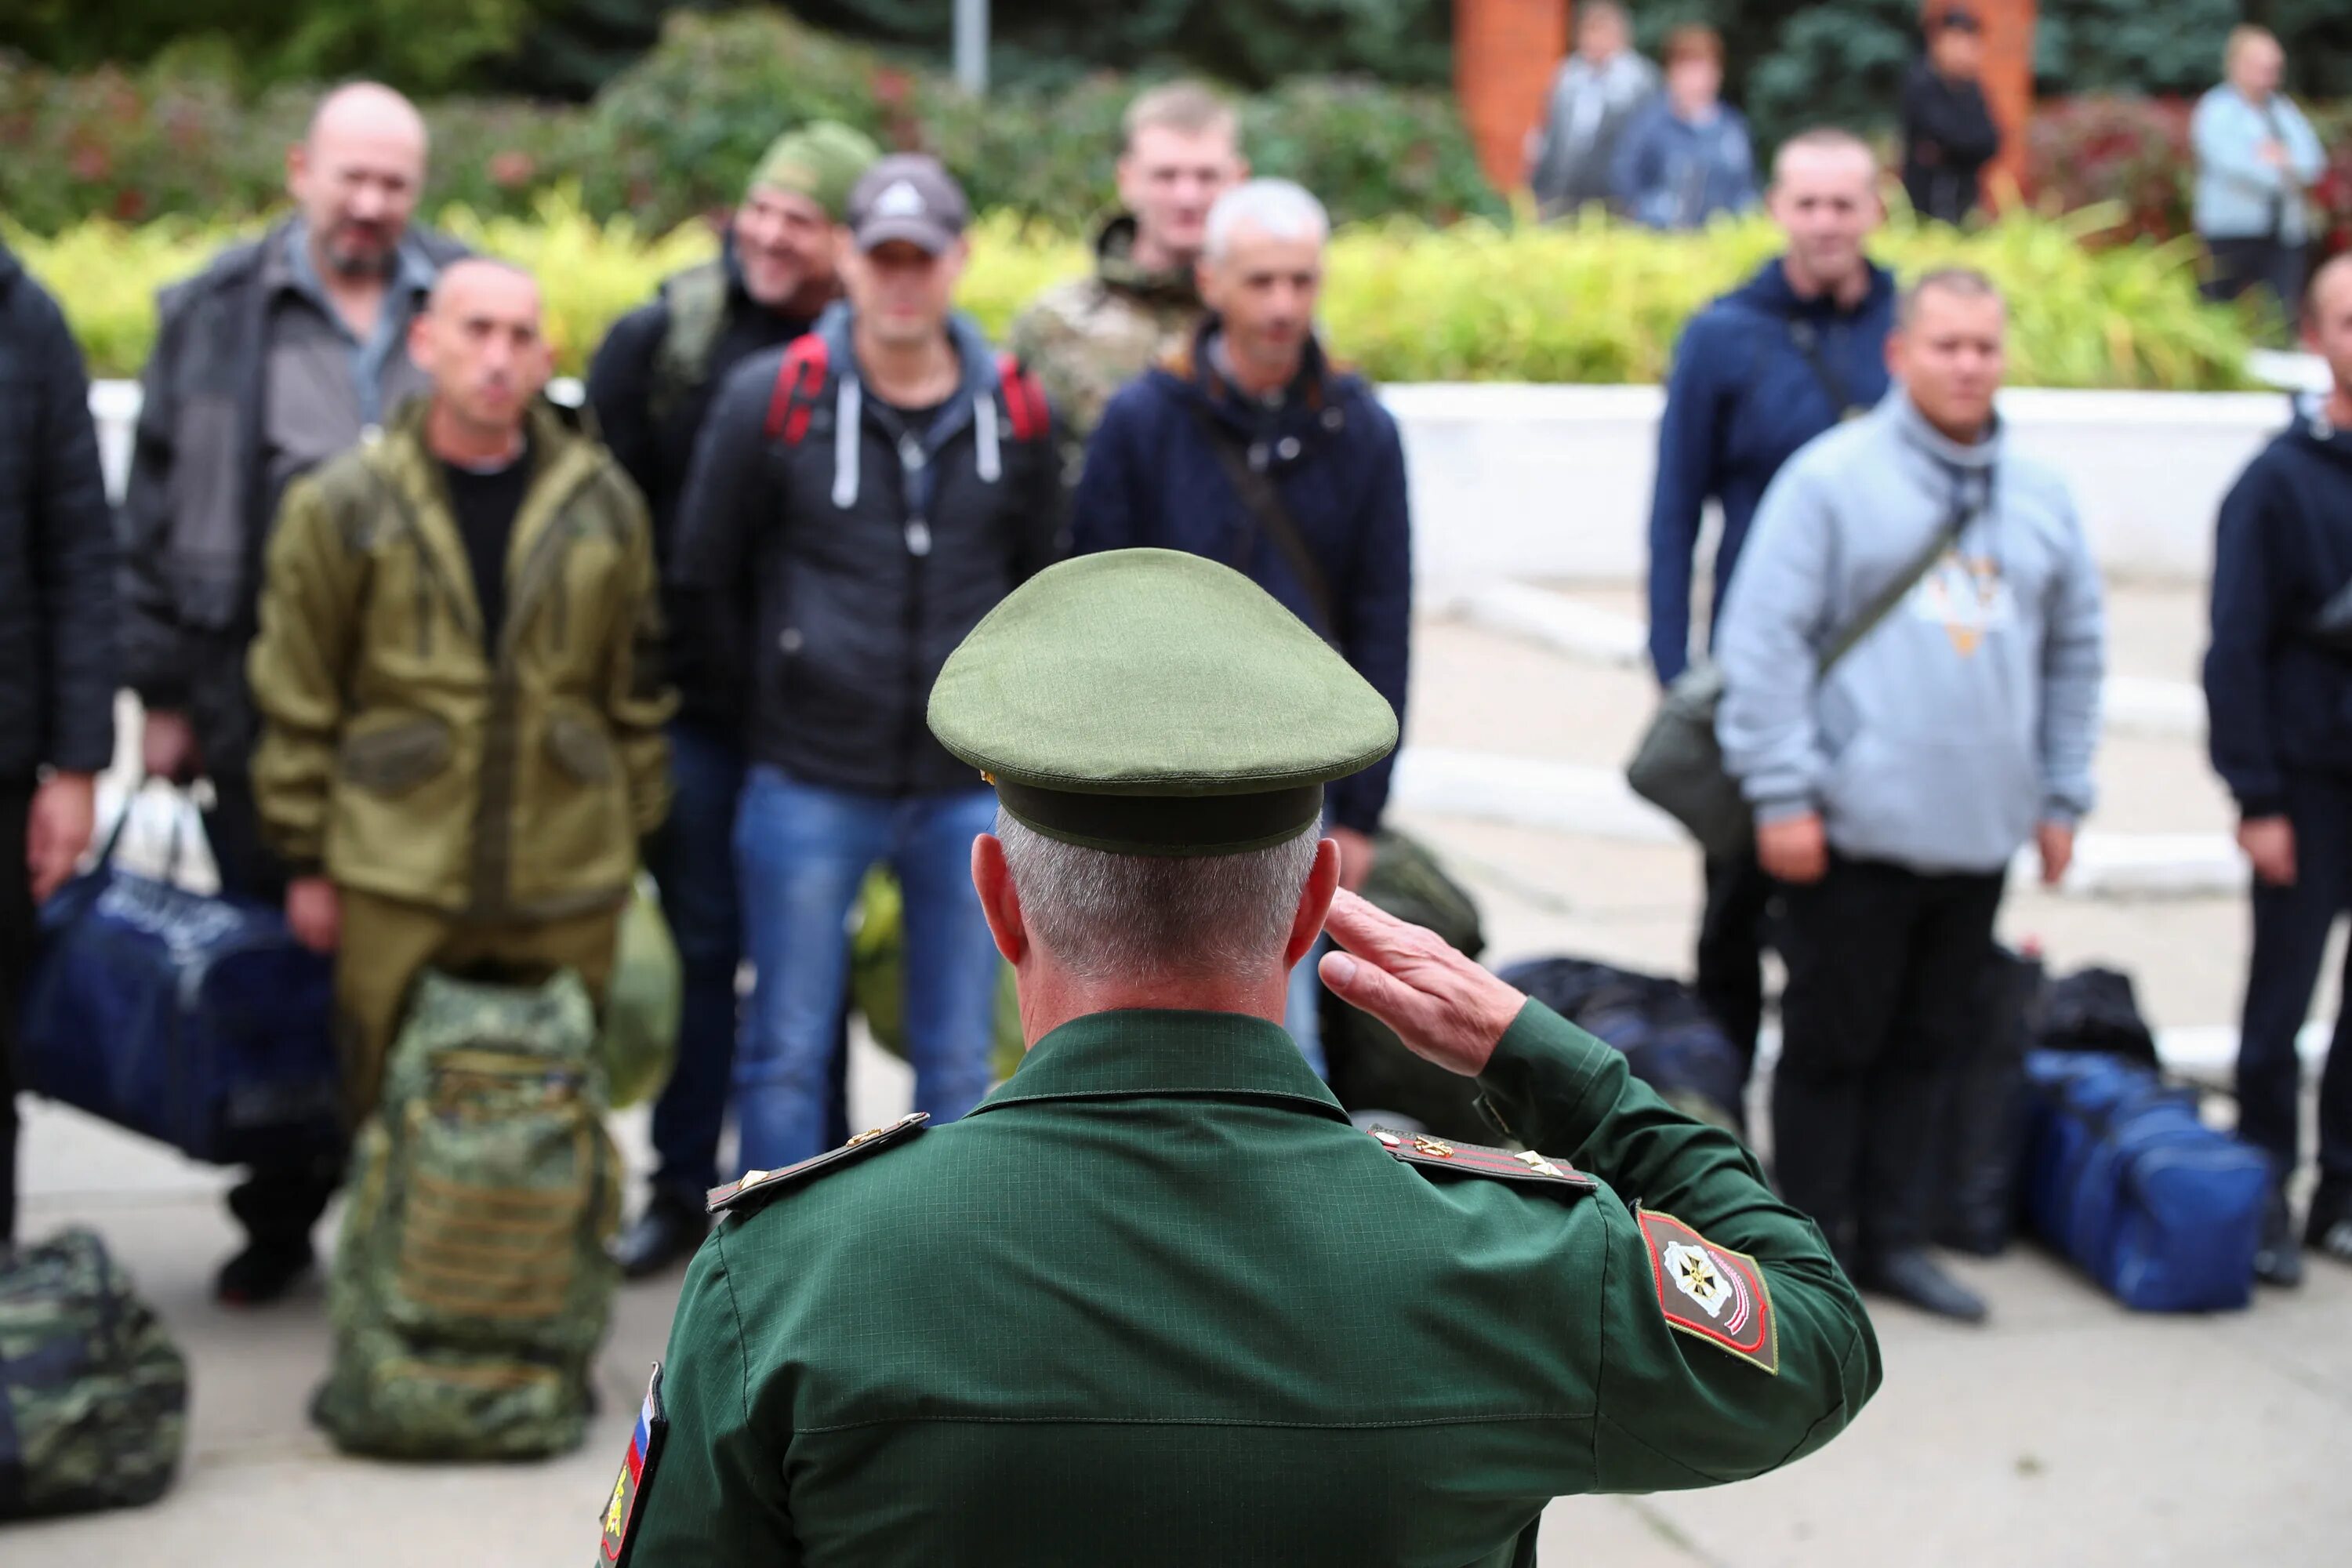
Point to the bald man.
(275, 358)
(459, 681)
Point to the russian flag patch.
(637, 1474)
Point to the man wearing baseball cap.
(651, 387)
(859, 500)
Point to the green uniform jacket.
(1156, 1301)
(400, 755)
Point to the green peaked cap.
(821, 161)
(1150, 702)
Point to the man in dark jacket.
(275, 358)
(1759, 373)
(1949, 135)
(2278, 694)
(651, 387)
(57, 650)
(859, 500)
(1250, 448)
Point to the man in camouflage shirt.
(1087, 338)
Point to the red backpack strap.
(799, 381)
(1025, 398)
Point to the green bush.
(676, 136)
(1477, 301)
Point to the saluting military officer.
(1157, 1301)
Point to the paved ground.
(2068, 1434)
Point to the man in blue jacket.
(2278, 692)
(1251, 449)
(1759, 373)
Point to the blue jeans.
(802, 851)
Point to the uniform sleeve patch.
(1711, 1292)
(621, 1512)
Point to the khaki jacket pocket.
(581, 747)
(394, 760)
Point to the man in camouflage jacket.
(1086, 337)
(459, 681)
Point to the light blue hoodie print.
(1970, 713)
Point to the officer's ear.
(1314, 904)
(991, 878)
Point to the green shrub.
(1478, 301)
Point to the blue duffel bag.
(194, 1020)
(2123, 1177)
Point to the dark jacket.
(197, 515)
(830, 576)
(2275, 701)
(57, 546)
(1669, 174)
(1152, 479)
(650, 387)
(1948, 137)
(1743, 398)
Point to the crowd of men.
(449, 657)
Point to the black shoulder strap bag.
(1263, 503)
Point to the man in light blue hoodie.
(1891, 792)
(2257, 158)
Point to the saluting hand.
(1442, 1006)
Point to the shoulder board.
(1477, 1160)
(757, 1186)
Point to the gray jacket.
(1587, 110)
(197, 513)
(1966, 715)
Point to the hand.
(1794, 849)
(57, 831)
(2274, 153)
(1356, 857)
(167, 747)
(1445, 1008)
(315, 914)
(2269, 843)
(2056, 841)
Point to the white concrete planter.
(1531, 482)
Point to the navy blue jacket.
(1743, 398)
(2276, 702)
(1152, 479)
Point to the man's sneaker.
(2277, 1259)
(2329, 1233)
(264, 1272)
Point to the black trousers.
(2240, 264)
(2291, 930)
(1732, 936)
(17, 931)
(1885, 967)
(278, 1205)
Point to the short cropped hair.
(1826, 139)
(1962, 283)
(1603, 11)
(1279, 209)
(1188, 107)
(1692, 42)
(1103, 914)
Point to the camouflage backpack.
(93, 1393)
(471, 1286)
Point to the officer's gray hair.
(1279, 209)
(1104, 915)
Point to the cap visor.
(1165, 825)
(925, 235)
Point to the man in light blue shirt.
(2257, 158)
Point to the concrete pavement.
(2069, 1433)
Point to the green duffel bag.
(877, 977)
(643, 1003)
(93, 1392)
(471, 1286)
(1371, 1070)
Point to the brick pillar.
(2008, 84)
(1504, 54)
